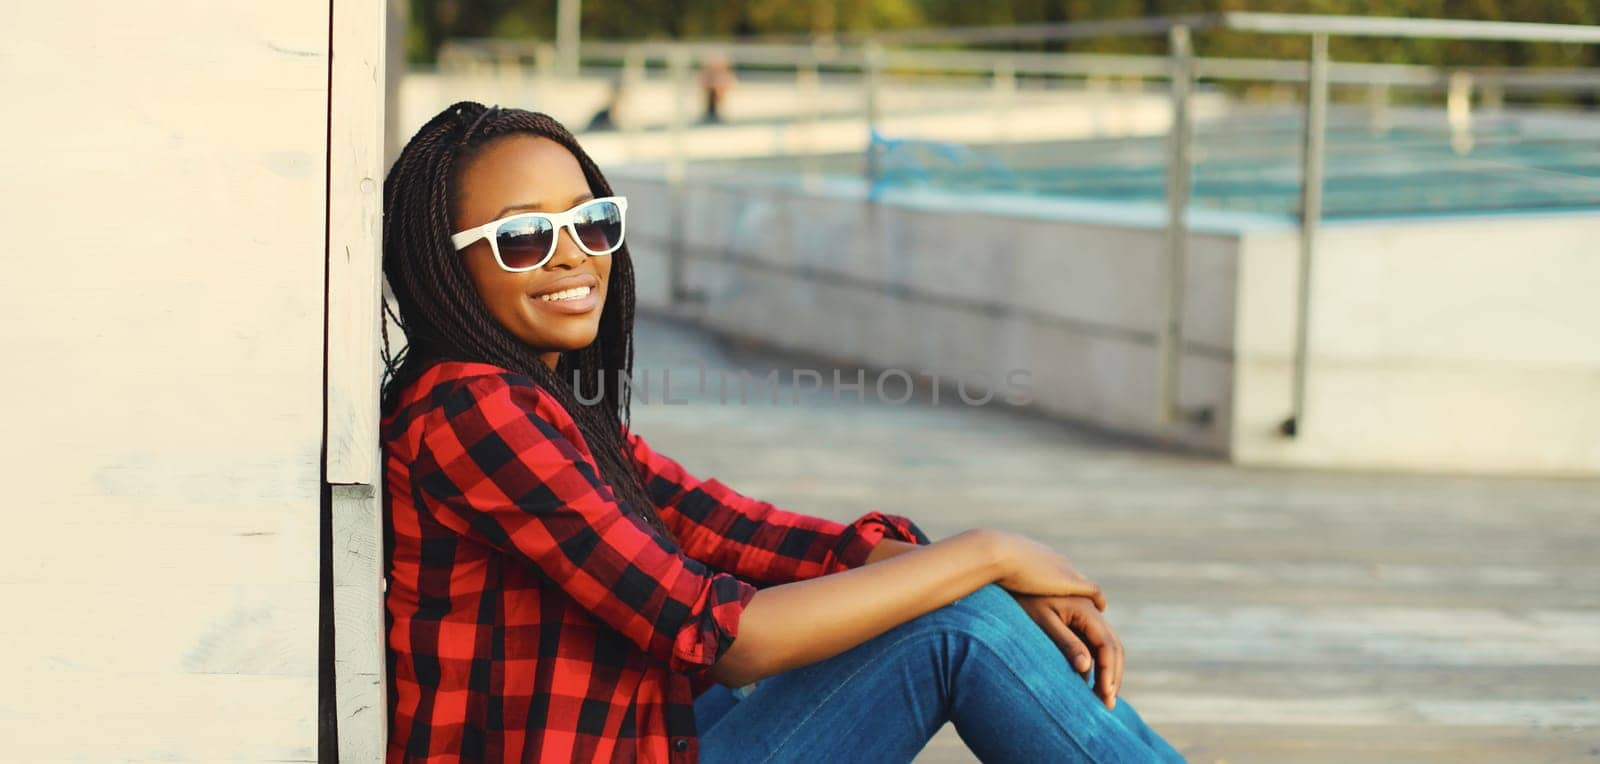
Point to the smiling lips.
(573, 295)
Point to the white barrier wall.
(162, 317)
(1460, 344)
(957, 286)
(1452, 344)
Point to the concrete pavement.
(1268, 615)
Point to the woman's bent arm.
(800, 623)
(887, 548)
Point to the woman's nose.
(568, 253)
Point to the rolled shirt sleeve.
(867, 530)
(495, 467)
(754, 539)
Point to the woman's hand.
(1033, 568)
(1083, 635)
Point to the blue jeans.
(979, 662)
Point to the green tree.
(433, 21)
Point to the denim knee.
(988, 594)
(988, 612)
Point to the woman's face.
(529, 173)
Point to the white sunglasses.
(527, 240)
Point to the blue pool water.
(1253, 165)
(1501, 165)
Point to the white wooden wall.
(356, 167)
(167, 232)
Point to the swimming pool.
(1251, 163)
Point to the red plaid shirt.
(532, 618)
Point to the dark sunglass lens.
(524, 242)
(599, 226)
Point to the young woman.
(558, 590)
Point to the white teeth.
(574, 293)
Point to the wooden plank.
(355, 211)
(356, 164)
(237, 542)
(231, 627)
(358, 624)
(133, 716)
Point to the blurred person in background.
(716, 79)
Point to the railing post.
(1005, 92)
(808, 85)
(1098, 85)
(1310, 218)
(568, 15)
(506, 70)
(1179, 183)
(1378, 107)
(1458, 111)
(633, 68)
(544, 57)
(678, 62)
(631, 85)
(1494, 96)
(872, 71)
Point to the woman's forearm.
(886, 548)
(799, 623)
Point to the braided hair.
(444, 318)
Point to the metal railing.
(871, 55)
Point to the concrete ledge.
(1444, 344)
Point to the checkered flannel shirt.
(530, 617)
